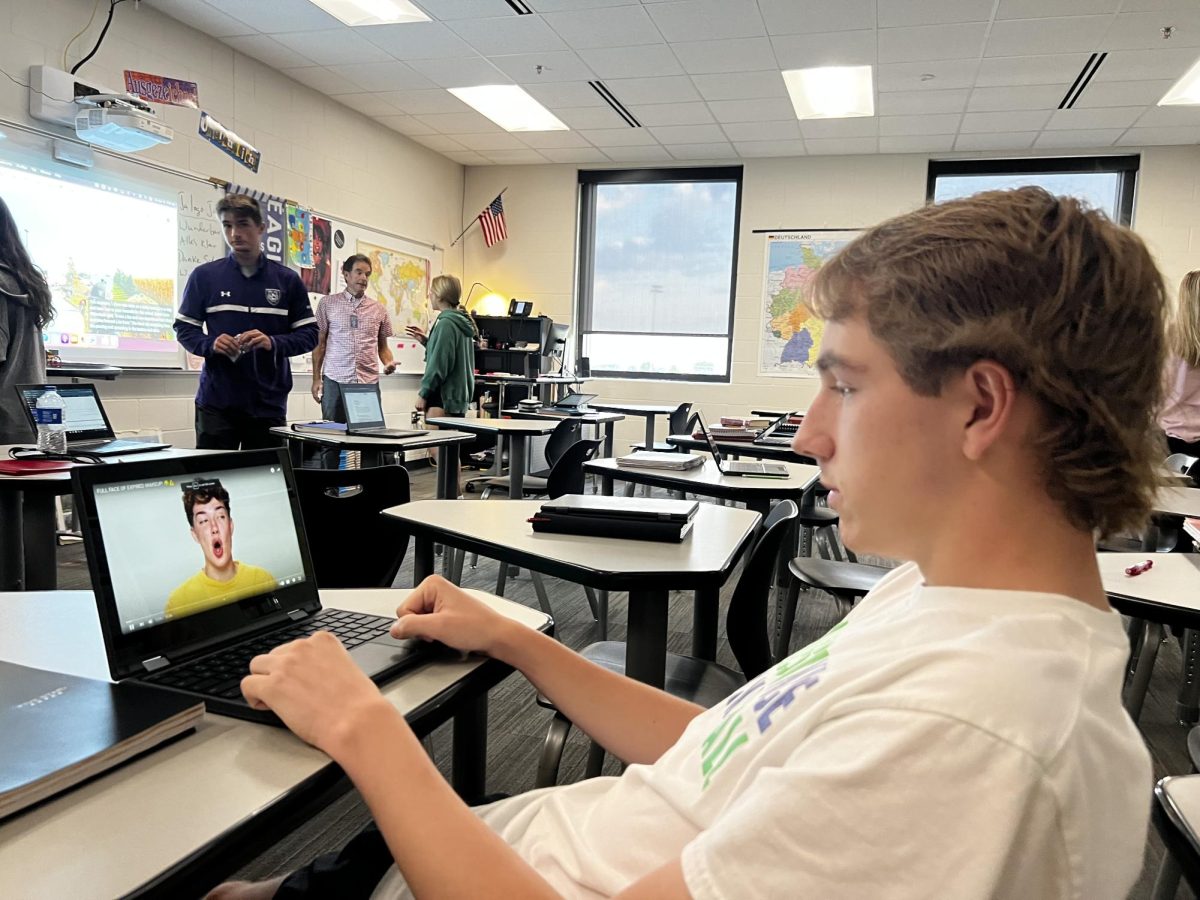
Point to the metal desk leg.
(1186, 707)
(41, 544)
(606, 485)
(516, 466)
(610, 434)
(12, 542)
(646, 650)
(422, 560)
(649, 431)
(468, 766)
(296, 452)
(447, 475)
(704, 624)
(370, 457)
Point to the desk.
(373, 448)
(27, 520)
(547, 383)
(1178, 501)
(518, 432)
(178, 820)
(649, 410)
(607, 419)
(648, 570)
(775, 452)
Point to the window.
(657, 251)
(1104, 182)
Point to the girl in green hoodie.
(449, 378)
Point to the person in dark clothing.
(245, 314)
(25, 308)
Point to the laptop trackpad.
(382, 653)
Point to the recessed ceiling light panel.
(1186, 91)
(509, 107)
(831, 92)
(372, 12)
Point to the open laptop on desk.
(574, 403)
(765, 470)
(779, 433)
(364, 413)
(88, 428)
(200, 563)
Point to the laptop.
(88, 428)
(779, 433)
(169, 616)
(643, 509)
(574, 403)
(364, 413)
(765, 470)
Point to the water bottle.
(49, 412)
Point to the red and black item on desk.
(631, 518)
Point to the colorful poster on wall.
(790, 335)
(316, 279)
(226, 140)
(274, 213)
(299, 226)
(400, 281)
(160, 89)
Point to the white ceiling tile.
(564, 93)
(460, 123)
(743, 132)
(672, 114)
(575, 155)
(906, 126)
(330, 48)
(1025, 96)
(898, 103)
(622, 26)
(203, 17)
(499, 140)
(1034, 9)
(733, 55)
(384, 76)
(1143, 31)
(897, 13)
(1122, 93)
(1144, 65)
(1020, 140)
(419, 103)
(830, 146)
(926, 143)
(1138, 5)
(448, 10)
(618, 137)
(272, 16)
(1079, 140)
(654, 153)
(1014, 121)
(1035, 37)
(948, 74)
(551, 6)
(551, 140)
(760, 149)
(515, 157)
(751, 110)
(265, 49)
(580, 117)
(1011, 70)
(963, 40)
(718, 151)
(464, 72)
(564, 66)
(669, 89)
(697, 20)
(740, 85)
(1149, 137)
(367, 104)
(405, 125)
(800, 16)
(467, 158)
(839, 128)
(1093, 119)
(438, 142)
(1169, 117)
(323, 80)
(416, 40)
(837, 48)
(632, 62)
(508, 34)
(687, 134)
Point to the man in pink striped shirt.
(353, 332)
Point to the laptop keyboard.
(116, 445)
(221, 674)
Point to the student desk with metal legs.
(649, 410)
(516, 431)
(733, 449)
(177, 820)
(648, 570)
(596, 419)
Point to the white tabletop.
(1173, 580)
(65, 474)
(546, 412)
(637, 409)
(1180, 501)
(800, 476)
(530, 379)
(113, 834)
(520, 426)
(432, 438)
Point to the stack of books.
(630, 518)
(735, 422)
(656, 459)
(730, 433)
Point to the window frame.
(589, 179)
(1127, 166)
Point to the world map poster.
(400, 281)
(790, 336)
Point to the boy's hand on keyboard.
(315, 688)
(440, 611)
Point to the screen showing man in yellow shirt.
(223, 578)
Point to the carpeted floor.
(517, 726)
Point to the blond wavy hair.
(1183, 335)
(446, 289)
(1071, 304)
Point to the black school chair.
(351, 544)
(565, 434)
(848, 582)
(677, 423)
(1176, 817)
(696, 680)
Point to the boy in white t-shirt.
(989, 379)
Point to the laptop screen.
(83, 415)
(574, 400)
(363, 409)
(187, 550)
(712, 445)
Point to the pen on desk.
(1138, 568)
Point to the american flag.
(491, 220)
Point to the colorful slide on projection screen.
(110, 254)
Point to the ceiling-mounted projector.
(120, 127)
(99, 116)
